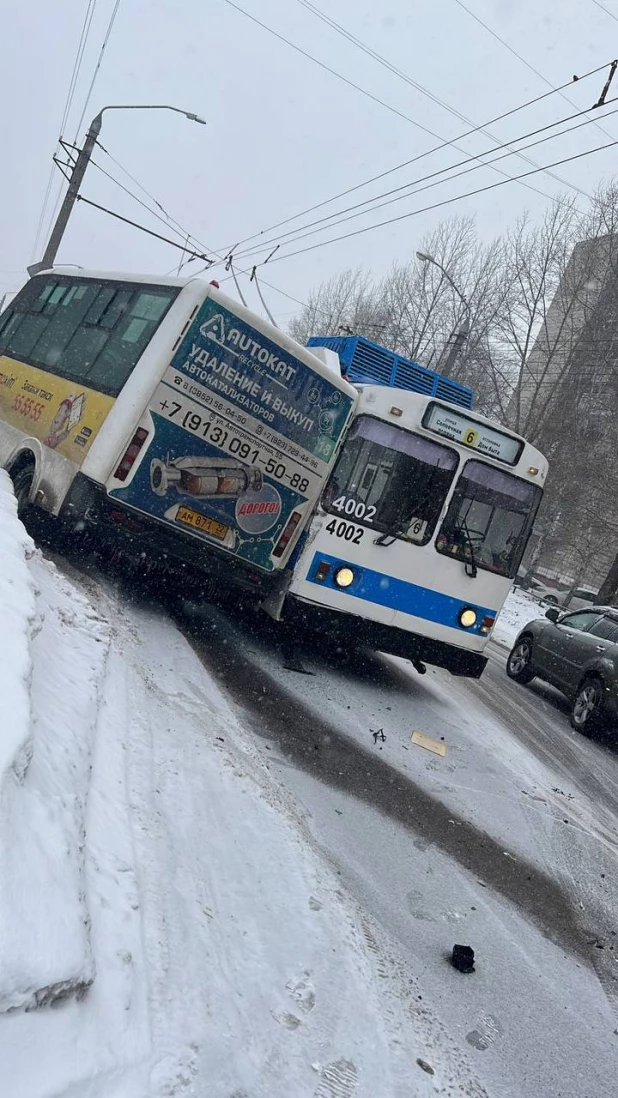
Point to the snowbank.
(52, 655)
(156, 877)
(518, 610)
(17, 612)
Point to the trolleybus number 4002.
(345, 530)
(354, 508)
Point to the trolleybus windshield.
(489, 519)
(391, 479)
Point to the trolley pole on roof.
(459, 336)
(77, 175)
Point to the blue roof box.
(367, 363)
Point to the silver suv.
(577, 652)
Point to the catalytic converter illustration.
(203, 478)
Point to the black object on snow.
(463, 958)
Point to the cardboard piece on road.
(421, 740)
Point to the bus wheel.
(23, 480)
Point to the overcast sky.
(282, 133)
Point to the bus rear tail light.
(125, 520)
(131, 453)
(287, 534)
(487, 624)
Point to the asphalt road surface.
(507, 843)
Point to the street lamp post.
(77, 175)
(459, 336)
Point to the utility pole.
(77, 175)
(457, 341)
(459, 336)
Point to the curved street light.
(458, 337)
(79, 170)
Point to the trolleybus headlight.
(344, 577)
(467, 617)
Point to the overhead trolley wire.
(180, 230)
(370, 52)
(444, 202)
(254, 249)
(415, 159)
(163, 217)
(519, 56)
(606, 10)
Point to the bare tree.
(413, 309)
(541, 356)
(349, 301)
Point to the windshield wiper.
(392, 534)
(469, 565)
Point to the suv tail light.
(131, 453)
(287, 534)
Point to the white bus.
(160, 413)
(419, 532)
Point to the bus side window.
(90, 332)
(64, 313)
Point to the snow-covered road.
(169, 925)
(260, 892)
(508, 843)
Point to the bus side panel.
(64, 416)
(244, 436)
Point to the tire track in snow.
(331, 756)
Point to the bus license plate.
(202, 522)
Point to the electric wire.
(77, 63)
(413, 160)
(370, 52)
(519, 56)
(444, 202)
(244, 253)
(606, 10)
(95, 75)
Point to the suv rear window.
(89, 331)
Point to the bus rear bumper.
(363, 633)
(139, 535)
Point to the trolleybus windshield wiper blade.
(469, 565)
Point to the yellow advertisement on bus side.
(62, 414)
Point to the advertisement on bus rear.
(244, 438)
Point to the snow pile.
(518, 610)
(155, 877)
(17, 611)
(52, 654)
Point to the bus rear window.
(90, 332)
